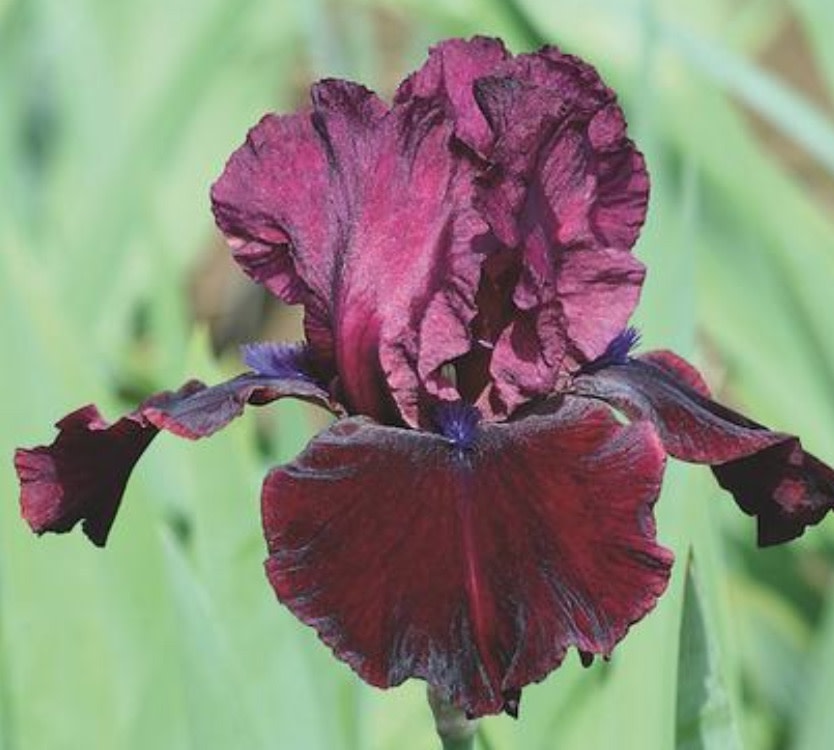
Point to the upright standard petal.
(265, 201)
(504, 548)
(82, 475)
(768, 473)
(569, 190)
(380, 231)
(448, 76)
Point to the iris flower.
(484, 498)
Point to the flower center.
(458, 422)
(617, 352)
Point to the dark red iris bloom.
(463, 257)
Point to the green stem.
(483, 739)
(456, 732)
(467, 744)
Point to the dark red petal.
(473, 565)
(679, 369)
(448, 76)
(569, 190)
(526, 358)
(785, 487)
(82, 475)
(692, 427)
(768, 473)
(265, 204)
(210, 409)
(801, 485)
(380, 230)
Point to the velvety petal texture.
(363, 214)
(769, 473)
(210, 409)
(82, 475)
(384, 223)
(569, 190)
(463, 258)
(449, 76)
(496, 555)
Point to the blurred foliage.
(114, 119)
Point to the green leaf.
(814, 718)
(785, 108)
(704, 715)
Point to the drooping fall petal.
(769, 474)
(210, 409)
(505, 546)
(82, 475)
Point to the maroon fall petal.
(501, 549)
(82, 475)
(784, 486)
(768, 473)
(208, 410)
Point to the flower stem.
(467, 744)
(456, 732)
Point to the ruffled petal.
(448, 76)
(266, 203)
(569, 190)
(82, 475)
(380, 230)
(472, 561)
(768, 473)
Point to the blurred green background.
(114, 119)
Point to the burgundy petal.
(569, 190)
(381, 231)
(210, 409)
(82, 475)
(473, 563)
(557, 106)
(692, 427)
(448, 76)
(768, 473)
(259, 204)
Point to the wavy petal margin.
(364, 214)
(478, 573)
(81, 476)
(448, 76)
(569, 191)
(768, 473)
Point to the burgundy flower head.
(463, 257)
